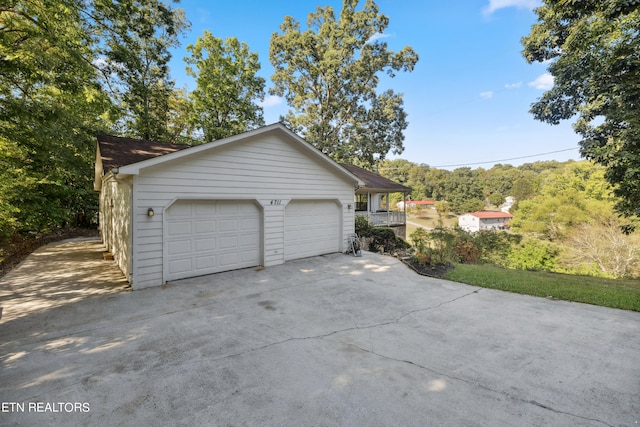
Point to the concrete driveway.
(325, 341)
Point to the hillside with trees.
(564, 215)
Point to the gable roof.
(490, 214)
(129, 156)
(373, 181)
(116, 152)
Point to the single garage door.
(311, 227)
(204, 237)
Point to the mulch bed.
(438, 271)
(14, 251)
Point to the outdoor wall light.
(349, 207)
(150, 212)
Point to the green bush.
(420, 239)
(534, 254)
(384, 239)
(363, 228)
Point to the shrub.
(362, 226)
(422, 259)
(420, 239)
(534, 254)
(384, 238)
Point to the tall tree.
(329, 74)
(135, 38)
(225, 99)
(50, 104)
(593, 50)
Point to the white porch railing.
(385, 218)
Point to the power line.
(505, 160)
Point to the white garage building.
(260, 198)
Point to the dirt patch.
(438, 270)
(14, 251)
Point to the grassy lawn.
(615, 293)
(427, 218)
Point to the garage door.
(204, 237)
(311, 228)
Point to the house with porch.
(372, 200)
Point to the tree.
(135, 38)
(224, 101)
(53, 101)
(50, 105)
(601, 244)
(329, 75)
(567, 198)
(593, 48)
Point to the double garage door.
(205, 237)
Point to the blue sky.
(468, 97)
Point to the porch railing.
(385, 218)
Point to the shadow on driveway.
(330, 340)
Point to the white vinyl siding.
(115, 221)
(269, 169)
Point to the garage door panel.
(179, 266)
(205, 226)
(205, 237)
(180, 247)
(206, 244)
(205, 262)
(311, 228)
(182, 228)
(180, 210)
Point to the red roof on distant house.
(491, 214)
(423, 202)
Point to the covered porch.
(372, 200)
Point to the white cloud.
(377, 36)
(502, 4)
(543, 82)
(271, 101)
(513, 85)
(486, 95)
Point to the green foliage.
(496, 199)
(362, 226)
(64, 67)
(495, 246)
(135, 38)
(224, 102)
(567, 198)
(534, 254)
(385, 240)
(329, 73)
(592, 50)
(420, 240)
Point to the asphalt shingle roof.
(373, 181)
(116, 151)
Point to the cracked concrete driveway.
(325, 341)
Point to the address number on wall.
(276, 202)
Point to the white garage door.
(311, 227)
(204, 237)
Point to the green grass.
(615, 293)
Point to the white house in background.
(260, 198)
(420, 204)
(484, 220)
